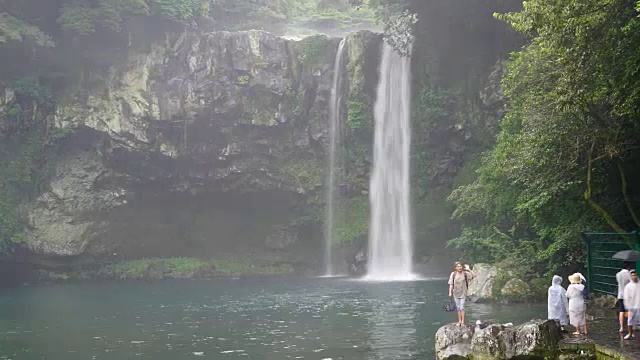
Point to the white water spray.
(390, 243)
(333, 163)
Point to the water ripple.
(307, 319)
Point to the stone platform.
(536, 339)
(604, 337)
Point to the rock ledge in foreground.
(536, 339)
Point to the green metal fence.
(601, 268)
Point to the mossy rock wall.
(206, 142)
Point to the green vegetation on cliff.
(306, 171)
(54, 54)
(27, 146)
(352, 220)
(177, 268)
(292, 17)
(566, 158)
(331, 15)
(60, 43)
(311, 49)
(24, 172)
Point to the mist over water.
(333, 164)
(390, 240)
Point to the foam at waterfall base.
(332, 276)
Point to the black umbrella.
(627, 255)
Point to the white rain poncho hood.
(557, 301)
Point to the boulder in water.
(536, 339)
(453, 342)
(481, 288)
(489, 343)
(515, 288)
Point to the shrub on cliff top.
(352, 220)
(150, 268)
(311, 49)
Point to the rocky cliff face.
(201, 145)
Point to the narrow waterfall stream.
(390, 240)
(333, 172)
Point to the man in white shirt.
(632, 303)
(623, 277)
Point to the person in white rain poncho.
(576, 305)
(557, 302)
(585, 291)
(623, 277)
(632, 303)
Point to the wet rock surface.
(186, 137)
(536, 339)
(603, 331)
(515, 288)
(454, 342)
(481, 288)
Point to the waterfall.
(390, 243)
(333, 163)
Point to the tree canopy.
(566, 158)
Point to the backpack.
(450, 306)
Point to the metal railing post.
(587, 241)
(637, 241)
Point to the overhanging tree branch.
(588, 195)
(623, 185)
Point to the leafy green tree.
(574, 95)
(13, 29)
(567, 152)
(180, 9)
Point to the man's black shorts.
(621, 306)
